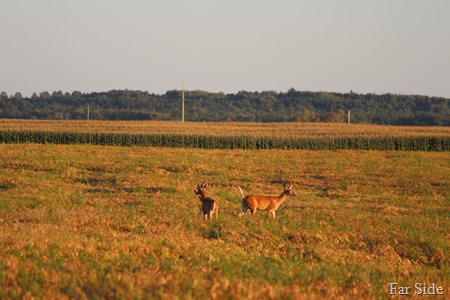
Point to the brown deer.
(269, 203)
(209, 205)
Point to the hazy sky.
(397, 46)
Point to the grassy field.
(83, 221)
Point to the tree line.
(243, 106)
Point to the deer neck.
(280, 199)
(202, 195)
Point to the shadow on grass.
(213, 231)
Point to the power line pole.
(182, 104)
(88, 113)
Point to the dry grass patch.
(111, 222)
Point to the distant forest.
(267, 106)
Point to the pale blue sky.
(396, 46)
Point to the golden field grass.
(93, 222)
(281, 130)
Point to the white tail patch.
(242, 192)
(245, 207)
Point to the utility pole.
(182, 104)
(88, 113)
(348, 117)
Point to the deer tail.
(245, 207)
(242, 192)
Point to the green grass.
(81, 221)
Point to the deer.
(209, 205)
(269, 203)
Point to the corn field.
(304, 136)
(292, 130)
(405, 143)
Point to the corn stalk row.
(413, 143)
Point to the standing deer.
(269, 203)
(209, 205)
